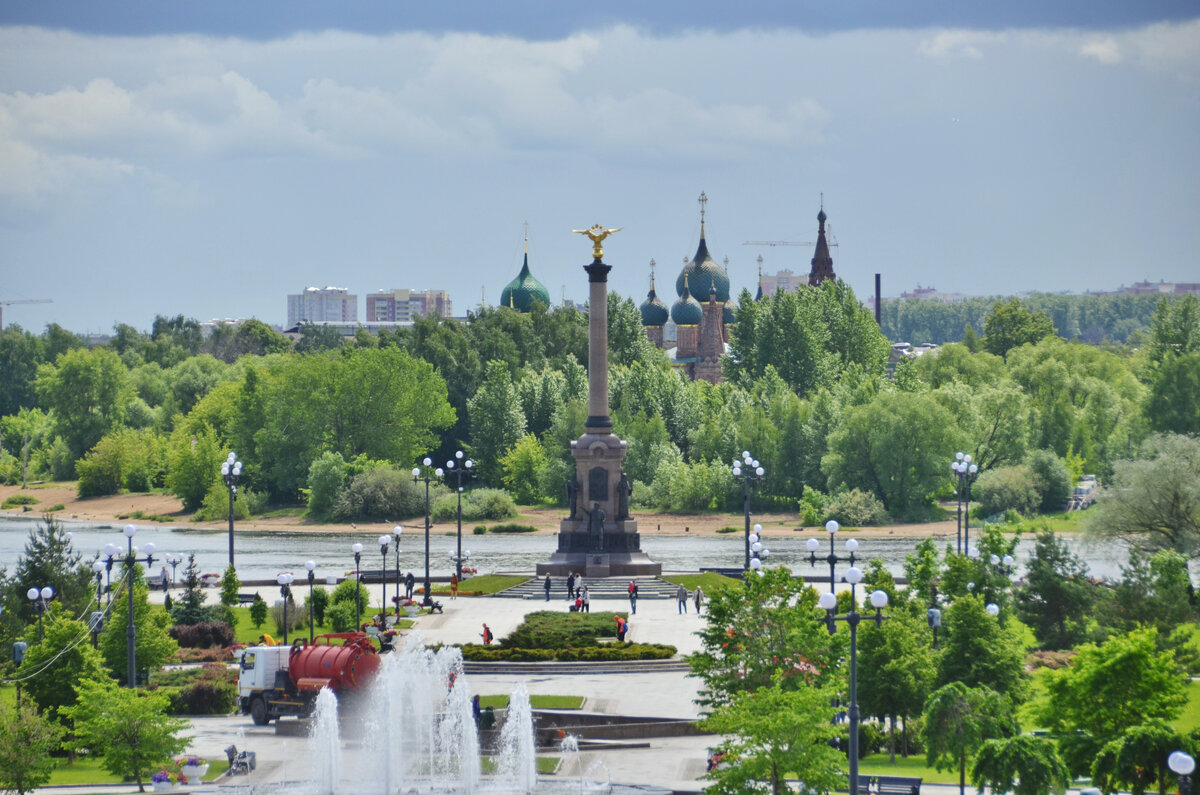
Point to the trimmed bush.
(1007, 488)
(477, 505)
(1051, 478)
(856, 508)
(340, 616)
(512, 528)
(380, 493)
(344, 594)
(606, 653)
(20, 499)
(320, 601)
(203, 635)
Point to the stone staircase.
(598, 588)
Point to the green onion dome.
(523, 290)
(687, 310)
(654, 311)
(704, 274)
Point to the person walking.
(546, 585)
(681, 597)
(699, 598)
(578, 583)
(486, 635)
(587, 600)
(454, 586)
(622, 627)
(633, 595)
(571, 585)
(409, 581)
(166, 581)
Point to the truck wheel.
(258, 712)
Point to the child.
(486, 635)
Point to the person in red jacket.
(486, 635)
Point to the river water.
(262, 555)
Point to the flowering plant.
(161, 777)
(191, 761)
(470, 570)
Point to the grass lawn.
(545, 764)
(537, 702)
(87, 770)
(913, 766)
(245, 632)
(485, 585)
(710, 581)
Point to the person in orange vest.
(486, 635)
(622, 627)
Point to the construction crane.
(832, 242)
(21, 301)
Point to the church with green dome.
(521, 292)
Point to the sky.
(208, 159)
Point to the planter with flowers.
(469, 571)
(193, 768)
(410, 607)
(162, 781)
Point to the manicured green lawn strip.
(710, 581)
(88, 770)
(485, 584)
(537, 702)
(913, 766)
(545, 764)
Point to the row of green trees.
(806, 391)
(774, 679)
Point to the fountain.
(412, 731)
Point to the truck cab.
(262, 680)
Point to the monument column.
(598, 420)
(599, 538)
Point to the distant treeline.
(1094, 319)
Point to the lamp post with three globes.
(747, 470)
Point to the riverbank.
(126, 507)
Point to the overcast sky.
(207, 159)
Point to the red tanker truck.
(284, 680)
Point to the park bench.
(246, 599)
(896, 785)
(239, 761)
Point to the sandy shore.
(119, 507)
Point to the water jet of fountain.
(517, 767)
(325, 744)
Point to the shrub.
(856, 508)
(56, 507)
(344, 594)
(203, 635)
(326, 479)
(205, 698)
(297, 619)
(1007, 488)
(258, 611)
(606, 652)
(477, 505)
(341, 616)
(513, 528)
(380, 493)
(1051, 478)
(479, 530)
(813, 509)
(320, 601)
(20, 499)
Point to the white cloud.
(1105, 50)
(957, 44)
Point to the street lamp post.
(397, 531)
(1182, 764)
(39, 597)
(285, 580)
(828, 603)
(174, 558)
(966, 472)
(130, 630)
(98, 614)
(384, 540)
(460, 559)
(427, 476)
(311, 565)
(357, 548)
(460, 472)
(231, 471)
(110, 555)
(748, 471)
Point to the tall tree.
(981, 650)
(896, 447)
(958, 719)
(1175, 327)
(1172, 406)
(896, 668)
(63, 659)
(86, 392)
(1108, 688)
(130, 727)
(496, 422)
(1056, 597)
(1153, 501)
(1011, 325)
(152, 645)
(49, 559)
(20, 355)
(1021, 765)
(27, 742)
